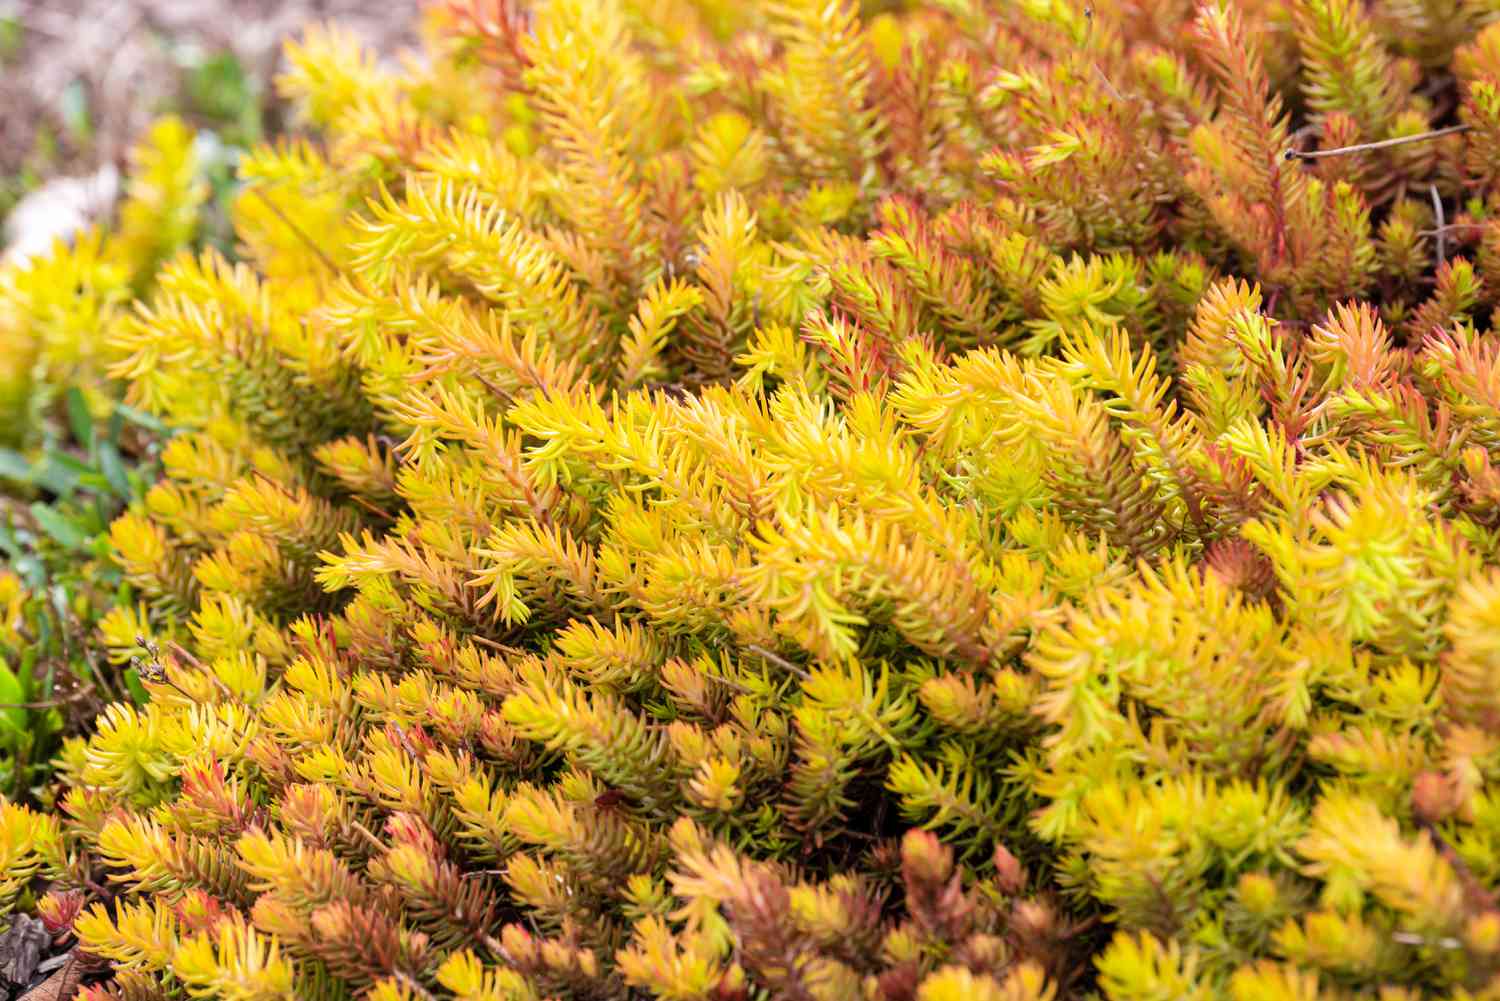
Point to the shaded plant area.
(780, 500)
(58, 581)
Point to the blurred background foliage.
(80, 80)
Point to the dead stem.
(1318, 154)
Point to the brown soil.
(126, 57)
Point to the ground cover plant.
(783, 500)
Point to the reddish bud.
(925, 859)
(731, 987)
(58, 910)
(1033, 921)
(1009, 875)
(1434, 797)
(899, 983)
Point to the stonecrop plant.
(705, 501)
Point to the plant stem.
(1318, 154)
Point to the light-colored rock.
(59, 209)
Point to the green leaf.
(60, 527)
(56, 476)
(113, 468)
(69, 462)
(220, 87)
(81, 669)
(13, 466)
(80, 418)
(96, 482)
(134, 686)
(12, 718)
(141, 419)
(28, 670)
(47, 723)
(11, 37)
(74, 110)
(30, 569)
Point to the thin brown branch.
(1318, 154)
(412, 985)
(498, 647)
(1477, 896)
(296, 230)
(778, 660)
(365, 833)
(183, 654)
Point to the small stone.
(21, 948)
